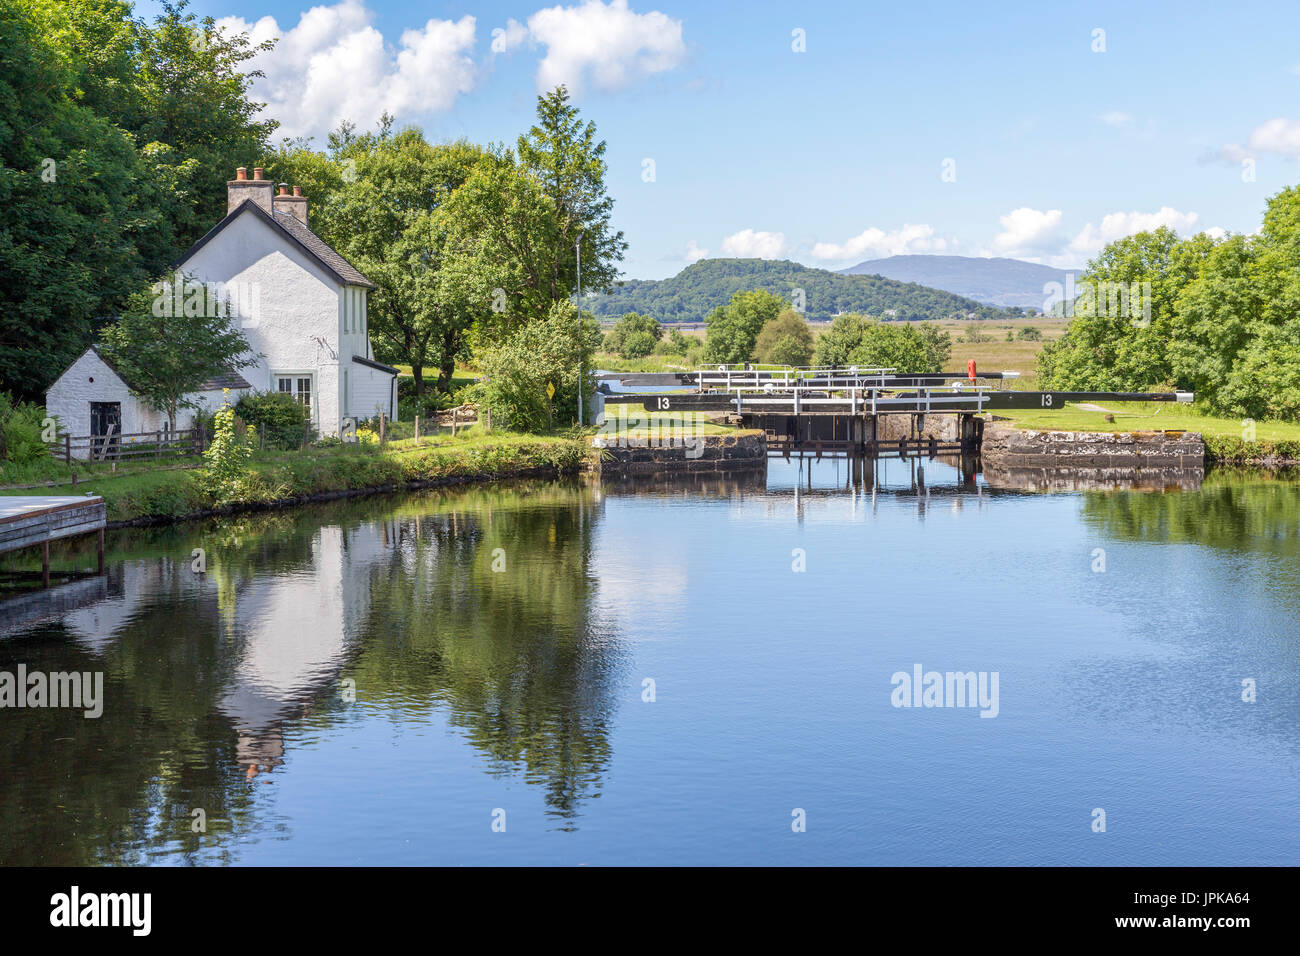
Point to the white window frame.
(294, 376)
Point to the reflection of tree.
(1231, 510)
(197, 686)
(512, 652)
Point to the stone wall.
(1005, 448)
(698, 454)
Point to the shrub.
(786, 340)
(517, 371)
(675, 344)
(227, 457)
(1029, 334)
(20, 432)
(637, 345)
(633, 336)
(287, 422)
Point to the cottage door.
(103, 417)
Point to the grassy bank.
(295, 475)
(1225, 442)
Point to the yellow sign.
(550, 390)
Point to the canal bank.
(330, 472)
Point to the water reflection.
(319, 667)
(406, 602)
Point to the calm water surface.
(376, 681)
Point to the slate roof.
(298, 234)
(228, 379)
(375, 365)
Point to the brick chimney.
(241, 188)
(295, 205)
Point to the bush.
(733, 328)
(286, 421)
(786, 340)
(633, 336)
(1029, 334)
(905, 346)
(516, 372)
(637, 345)
(227, 457)
(675, 344)
(20, 432)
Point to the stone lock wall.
(699, 455)
(1005, 447)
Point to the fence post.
(261, 437)
(417, 429)
(67, 447)
(157, 448)
(455, 414)
(383, 428)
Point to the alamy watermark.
(76, 690)
(922, 688)
(1116, 300)
(634, 428)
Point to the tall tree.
(79, 216)
(562, 152)
(387, 218)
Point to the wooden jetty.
(35, 521)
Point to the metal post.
(417, 429)
(577, 248)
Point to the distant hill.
(999, 282)
(690, 295)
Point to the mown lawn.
(1145, 416)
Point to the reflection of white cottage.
(302, 307)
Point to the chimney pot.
(241, 172)
(257, 172)
(297, 190)
(284, 189)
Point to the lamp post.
(577, 248)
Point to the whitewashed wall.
(296, 323)
(371, 391)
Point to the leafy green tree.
(563, 155)
(647, 331)
(905, 346)
(227, 457)
(1109, 348)
(166, 346)
(1029, 334)
(733, 329)
(78, 212)
(387, 216)
(531, 379)
(785, 340)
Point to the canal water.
(701, 672)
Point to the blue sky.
(1189, 116)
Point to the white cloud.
(1280, 136)
(509, 37)
(1116, 118)
(1117, 225)
(748, 244)
(604, 44)
(334, 65)
(694, 253)
(1028, 234)
(875, 243)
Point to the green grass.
(1145, 416)
(278, 476)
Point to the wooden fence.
(117, 447)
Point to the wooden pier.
(35, 521)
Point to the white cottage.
(300, 304)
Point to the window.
(299, 386)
